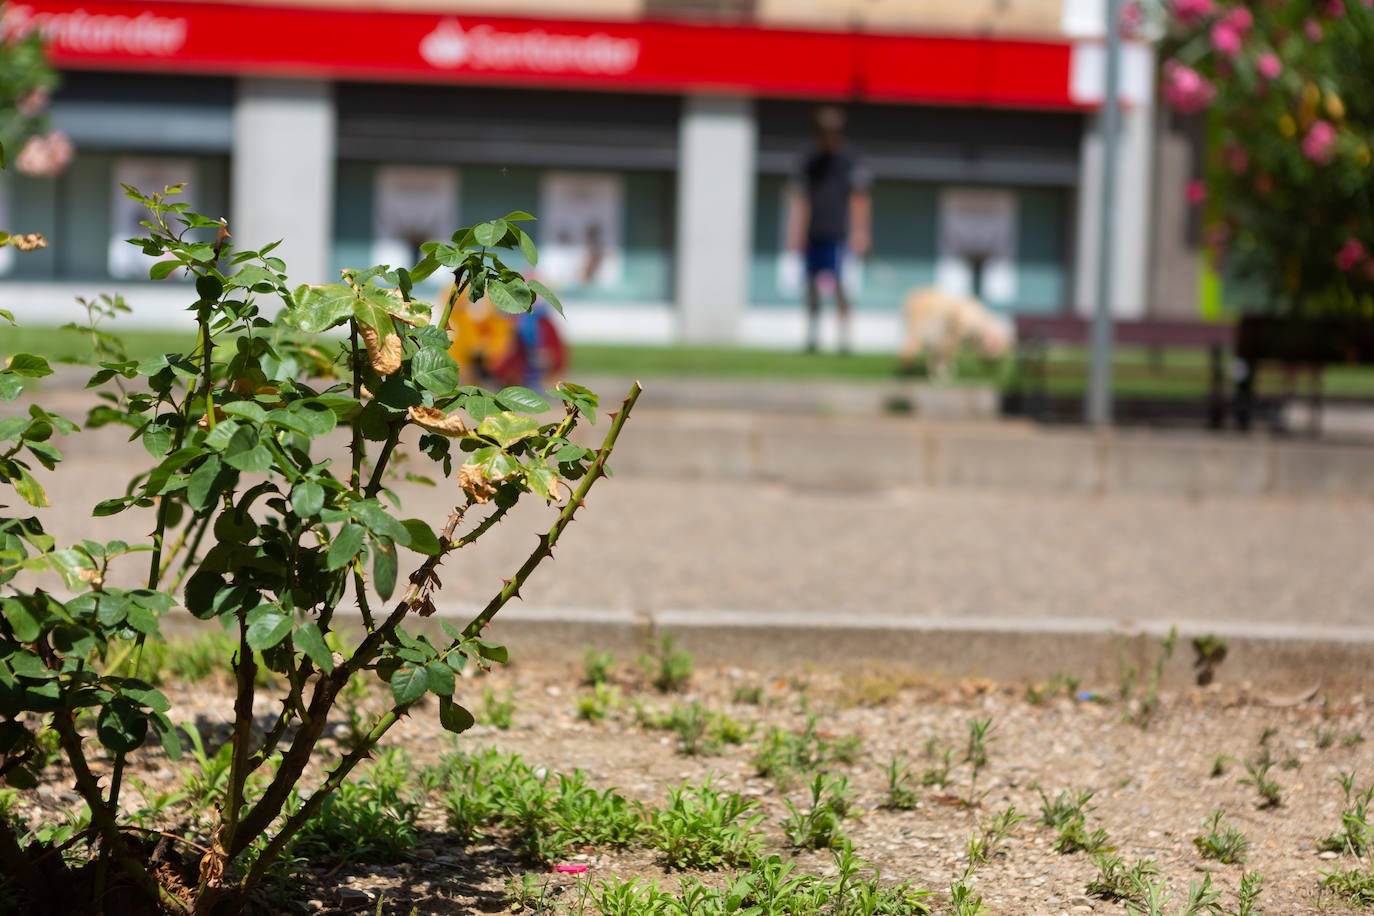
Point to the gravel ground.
(1153, 786)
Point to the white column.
(717, 143)
(283, 172)
(1134, 200)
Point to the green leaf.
(307, 499)
(267, 626)
(507, 428)
(200, 488)
(171, 740)
(517, 216)
(157, 439)
(22, 618)
(441, 678)
(10, 386)
(434, 370)
(409, 683)
(384, 567)
(491, 233)
(526, 245)
(422, 537)
(209, 287)
(453, 717)
(543, 292)
(246, 409)
(346, 546)
(162, 269)
(318, 308)
(524, 399)
(28, 365)
(310, 641)
(512, 296)
(492, 651)
(257, 458)
(29, 489)
(309, 418)
(121, 726)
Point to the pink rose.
(1269, 65)
(1320, 143)
(1185, 89)
(1190, 12)
(1226, 39)
(1197, 192)
(44, 155)
(1239, 19)
(1351, 254)
(1313, 30)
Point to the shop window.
(413, 205)
(149, 175)
(977, 247)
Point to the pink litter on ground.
(570, 869)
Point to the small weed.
(1116, 882)
(1219, 766)
(1068, 814)
(901, 793)
(976, 754)
(699, 730)
(1037, 694)
(875, 688)
(1222, 842)
(819, 826)
(962, 899)
(667, 668)
(357, 721)
(599, 703)
(1355, 887)
(705, 828)
(983, 847)
(596, 666)
(372, 818)
(1142, 710)
(527, 891)
(938, 774)
(206, 781)
(748, 695)
(782, 753)
(1208, 653)
(1270, 792)
(500, 711)
(1268, 732)
(1323, 737)
(1356, 836)
(1352, 738)
(1251, 886)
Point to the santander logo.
(79, 32)
(485, 47)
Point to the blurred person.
(830, 213)
(939, 325)
(498, 349)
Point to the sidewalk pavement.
(987, 549)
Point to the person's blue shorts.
(824, 256)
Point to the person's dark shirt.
(828, 179)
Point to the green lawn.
(1184, 374)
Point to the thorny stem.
(356, 446)
(378, 469)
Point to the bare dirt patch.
(1154, 788)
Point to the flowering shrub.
(1287, 88)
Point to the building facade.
(655, 139)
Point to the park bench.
(1299, 346)
(1036, 334)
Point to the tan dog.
(939, 325)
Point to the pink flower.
(1320, 143)
(1197, 192)
(1313, 30)
(1237, 159)
(1335, 9)
(1269, 65)
(1190, 12)
(33, 102)
(1226, 39)
(1185, 89)
(1239, 19)
(1351, 254)
(44, 155)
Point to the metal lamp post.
(1098, 407)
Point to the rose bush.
(1287, 91)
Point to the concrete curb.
(1276, 659)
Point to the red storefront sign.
(645, 56)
